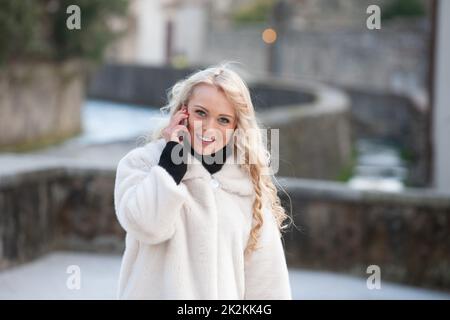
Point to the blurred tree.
(19, 32)
(36, 29)
(403, 8)
(254, 12)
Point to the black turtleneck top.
(209, 162)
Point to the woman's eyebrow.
(199, 106)
(226, 115)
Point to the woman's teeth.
(205, 139)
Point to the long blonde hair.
(249, 143)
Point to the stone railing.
(57, 207)
(315, 139)
(346, 230)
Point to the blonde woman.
(202, 219)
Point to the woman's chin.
(204, 150)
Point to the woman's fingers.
(177, 117)
(179, 131)
(174, 126)
(183, 110)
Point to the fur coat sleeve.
(147, 199)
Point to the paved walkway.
(46, 278)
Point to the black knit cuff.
(177, 171)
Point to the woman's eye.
(224, 120)
(201, 113)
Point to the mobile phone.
(183, 122)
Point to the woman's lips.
(205, 141)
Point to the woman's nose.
(208, 125)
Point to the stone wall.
(40, 103)
(315, 138)
(57, 208)
(340, 229)
(135, 84)
(345, 230)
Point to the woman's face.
(212, 119)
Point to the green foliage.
(254, 12)
(407, 155)
(403, 8)
(19, 33)
(36, 29)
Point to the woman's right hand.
(176, 128)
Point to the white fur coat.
(187, 241)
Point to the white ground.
(47, 277)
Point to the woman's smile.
(205, 140)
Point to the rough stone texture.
(40, 102)
(86, 218)
(57, 209)
(340, 229)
